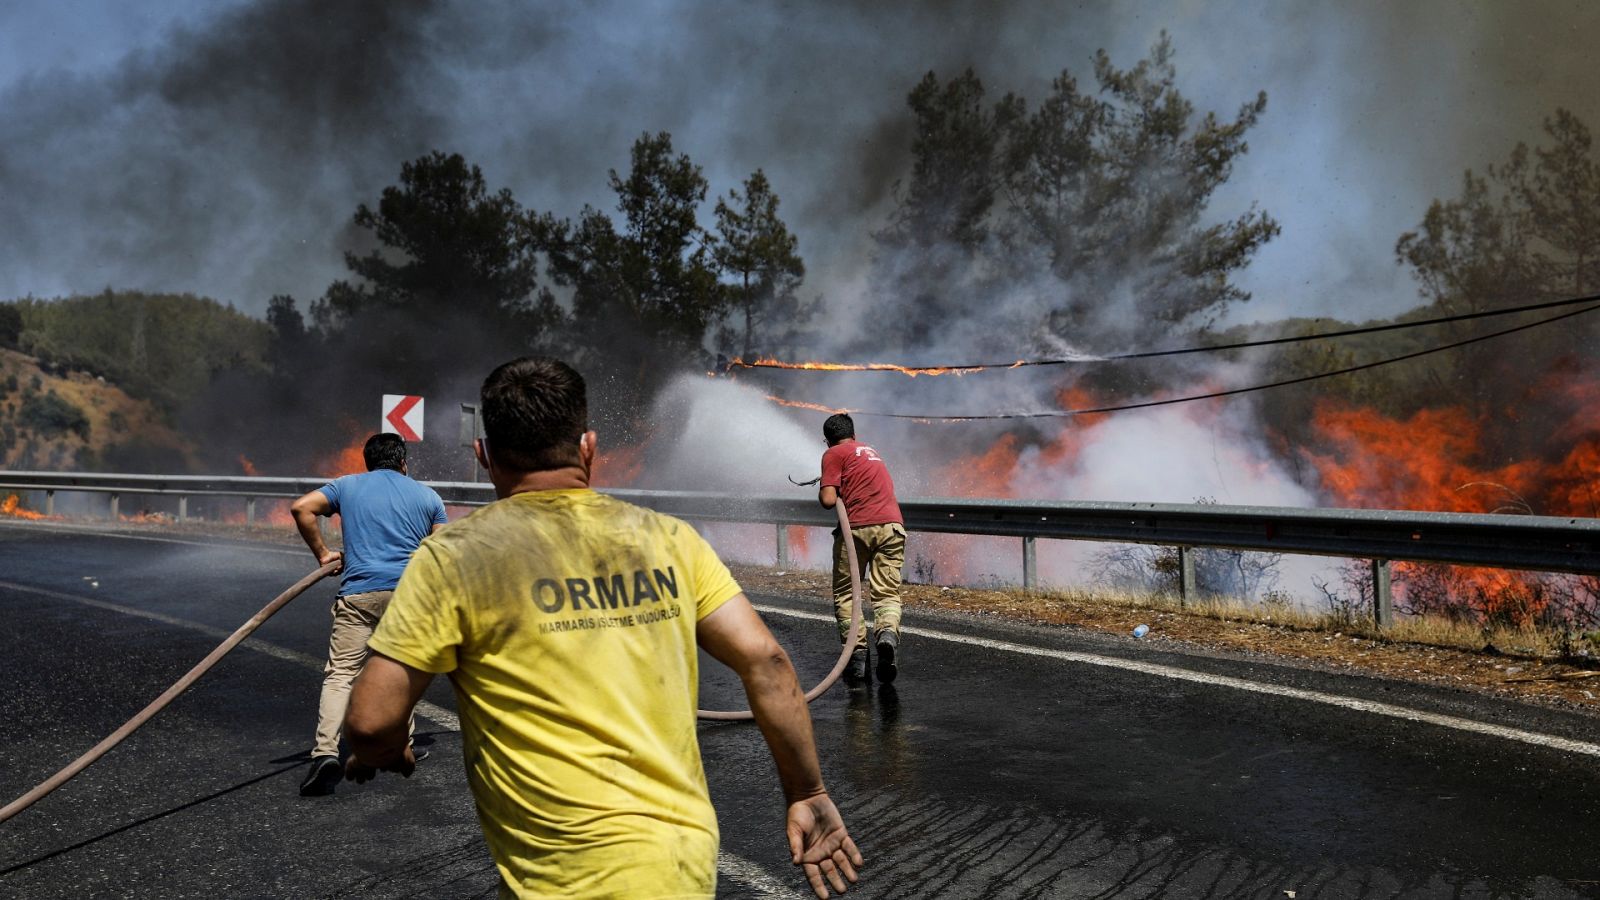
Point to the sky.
(221, 148)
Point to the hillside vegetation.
(74, 421)
(164, 348)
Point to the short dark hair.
(839, 427)
(384, 451)
(535, 410)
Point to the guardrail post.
(783, 546)
(113, 511)
(249, 510)
(49, 503)
(183, 508)
(1030, 564)
(1186, 583)
(1382, 595)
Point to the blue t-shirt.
(385, 516)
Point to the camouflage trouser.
(880, 551)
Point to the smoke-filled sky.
(221, 147)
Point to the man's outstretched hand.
(361, 773)
(820, 845)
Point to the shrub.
(50, 415)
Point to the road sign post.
(471, 428)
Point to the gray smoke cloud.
(225, 156)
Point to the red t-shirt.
(863, 482)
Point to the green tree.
(759, 254)
(10, 325)
(49, 415)
(1112, 190)
(1091, 197)
(1526, 230)
(448, 248)
(953, 178)
(939, 231)
(653, 280)
(163, 347)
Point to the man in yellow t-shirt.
(568, 622)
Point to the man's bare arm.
(818, 841)
(828, 495)
(305, 511)
(377, 721)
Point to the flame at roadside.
(13, 508)
(1434, 459)
(347, 460)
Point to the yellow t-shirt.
(566, 621)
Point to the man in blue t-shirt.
(385, 515)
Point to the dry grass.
(1522, 664)
(113, 418)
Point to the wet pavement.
(1006, 762)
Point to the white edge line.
(427, 710)
(108, 532)
(1367, 706)
(754, 877)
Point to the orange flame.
(767, 362)
(1422, 462)
(248, 467)
(13, 507)
(801, 404)
(1432, 461)
(347, 460)
(990, 472)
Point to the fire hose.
(160, 703)
(849, 642)
(201, 668)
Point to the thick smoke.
(227, 157)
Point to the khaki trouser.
(355, 616)
(880, 551)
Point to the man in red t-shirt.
(855, 473)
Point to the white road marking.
(751, 875)
(1352, 703)
(427, 710)
(108, 532)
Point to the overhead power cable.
(967, 369)
(1065, 413)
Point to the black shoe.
(418, 755)
(326, 772)
(888, 656)
(856, 671)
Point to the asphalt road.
(1006, 762)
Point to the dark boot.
(856, 671)
(888, 655)
(325, 774)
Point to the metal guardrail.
(1537, 543)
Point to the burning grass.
(1525, 663)
(13, 508)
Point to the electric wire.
(1212, 395)
(970, 368)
